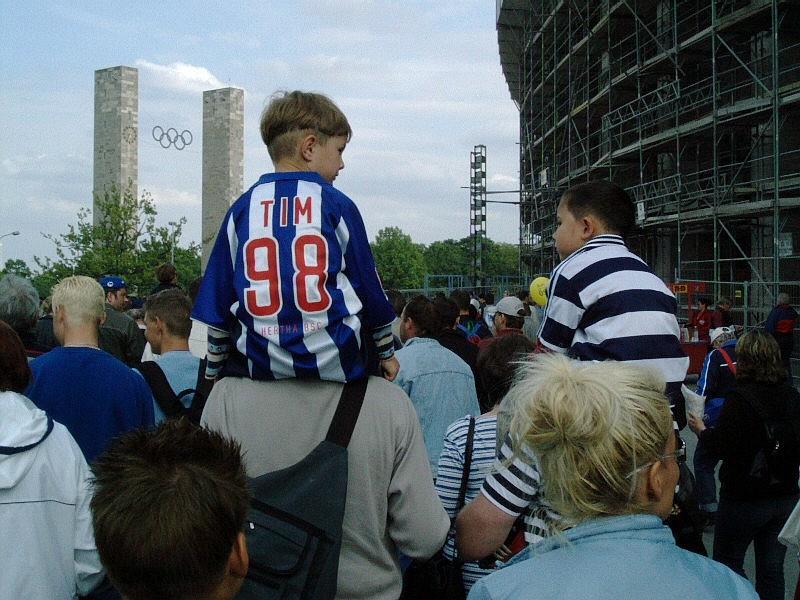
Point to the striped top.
(514, 486)
(291, 278)
(605, 303)
(448, 477)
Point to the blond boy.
(291, 280)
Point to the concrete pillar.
(116, 132)
(223, 159)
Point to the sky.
(420, 82)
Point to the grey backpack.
(294, 526)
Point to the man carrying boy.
(291, 278)
(168, 511)
(603, 303)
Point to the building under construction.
(692, 106)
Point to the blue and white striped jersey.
(292, 278)
(604, 303)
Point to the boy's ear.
(307, 143)
(590, 228)
(239, 559)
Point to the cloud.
(179, 76)
(503, 180)
(168, 198)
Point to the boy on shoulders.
(291, 279)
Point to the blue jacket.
(716, 379)
(441, 388)
(632, 556)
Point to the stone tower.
(116, 132)
(223, 159)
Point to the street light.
(2, 262)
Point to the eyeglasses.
(679, 455)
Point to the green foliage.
(125, 242)
(15, 266)
(398, 258)
(500, 258)
(448, 257)
(400, 261)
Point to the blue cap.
(112, 283)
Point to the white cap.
(718, 331)
(476, 303)
(511, 306)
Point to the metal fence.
(751, 303)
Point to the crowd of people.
(286, 424)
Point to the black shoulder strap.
(462, 492)
(162, 391)
(202, 388)
(346, 415)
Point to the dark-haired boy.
(603, 303)
(291, 280)
(167, 328)
(168, 510)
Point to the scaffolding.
(690, 105)
(477, 212)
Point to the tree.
(400, 261)
(500, 258)
(125, 242)
(15, 266)
(448, 257)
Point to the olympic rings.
(171, 137)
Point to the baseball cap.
(511, 306)
(718, 331)
(112, 283)
(475, 303)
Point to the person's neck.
(82, 336)
(495, 410)
(289, 165)
(174, 344)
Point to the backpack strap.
(462, 492)
(346, 415)
(727, 357)
(166, 399)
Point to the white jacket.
(48, 548)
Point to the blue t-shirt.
(94, 395)
(180, 368)
(292, 278)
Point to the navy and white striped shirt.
(515, 487)
(605, 303)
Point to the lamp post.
(2, 257)
(172, 244)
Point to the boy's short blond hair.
(82, 298)
(290, 115)
(592, 426)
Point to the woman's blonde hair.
(592, 426)
(82, 298)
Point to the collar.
(293, 175)
(606, 239)
(419, 340)
(639, 526)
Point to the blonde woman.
(605, 448)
